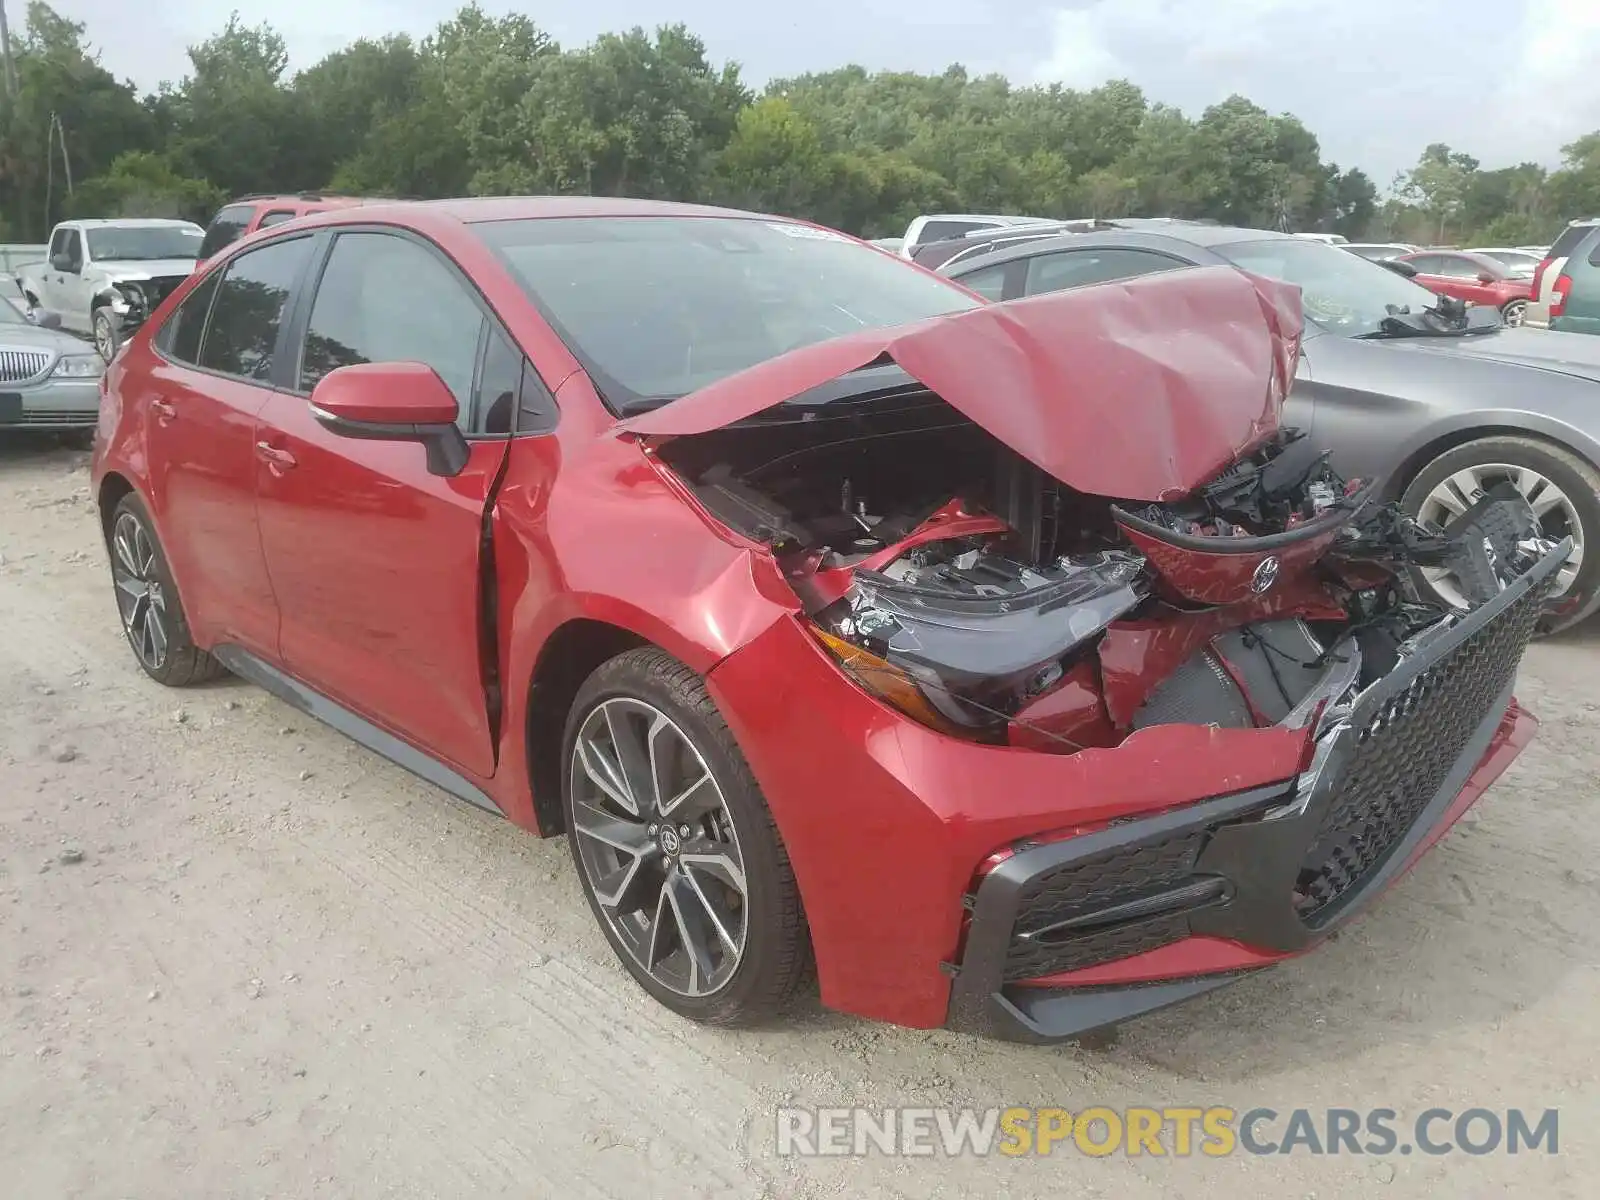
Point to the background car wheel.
(678, 854)
(1513, 312)
(105, 333)
(147, 600)
(1563, 489)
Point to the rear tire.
(661, 857)
(147, 600)
(1513, 312)
(1485, 460)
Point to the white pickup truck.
(103, 278)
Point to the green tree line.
(493, 105)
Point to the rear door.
(215, 358)
(375, 562)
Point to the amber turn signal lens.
(885, 681)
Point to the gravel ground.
(240, 956)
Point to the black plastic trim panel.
(358, 729)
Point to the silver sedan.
(48, 379)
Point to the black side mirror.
(1399, 268)
(1486, 277)
(45, 319)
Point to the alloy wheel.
(140, 596)
(105, 338)
(1456, 493)
(1514, 312)
(657, 846)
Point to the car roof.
(1173, 236)
(481, 209)
(132, 223)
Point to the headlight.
(79, 366)
(961, 645)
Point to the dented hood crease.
(1139, 390)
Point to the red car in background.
(1475, 278)
(1010, 661)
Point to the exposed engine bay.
(960, 583)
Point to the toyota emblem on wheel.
(1266, 574)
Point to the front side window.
(656, 307)
(143, 243)
(243, 332)
(384, 298)
(1078, 268)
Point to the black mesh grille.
(1406, 751)
(1090, 884)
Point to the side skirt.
(358, 729)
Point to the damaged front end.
(1061, 599)
(955, 581)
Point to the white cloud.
(1079, 56)
(1550, 93)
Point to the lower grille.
(1092, 884)
(18, 365)
(1406, 750)
(36, 417)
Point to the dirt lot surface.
(240, 956)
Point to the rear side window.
(990, 283)
(1593, 246)
(225, 228)
(1427, 264)
(1569, 239)
(1076, 268)
(276, 217)
(179, 338)
(243, 331)
(384, 298)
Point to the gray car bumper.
(58, 404)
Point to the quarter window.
(180, 336)
(255, 289)
(386, 299)
(276, 217)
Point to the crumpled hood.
(1140, 390)
(1546, 349)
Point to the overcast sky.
(1376, 80)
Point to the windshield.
(1341, 292)
(657, 307)
(143, 243)
(10, 314)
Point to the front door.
(215, 357)
(375, 563)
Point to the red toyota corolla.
(1010, 660)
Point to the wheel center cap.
(669, 840)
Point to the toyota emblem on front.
(1266, 574)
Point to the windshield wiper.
(1447, 318)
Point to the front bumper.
(886, 824)
(1272, 869)
(60, 404)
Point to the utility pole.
(5, 52)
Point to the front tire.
(147, 600)
(1563, 489)
(678, 855)
(106, 338)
